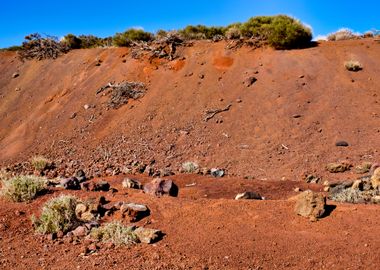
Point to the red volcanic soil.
(283, 126)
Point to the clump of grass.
(114, 232)
(58, 214)
(190, 167)
(39, 163)
(23, 188)
(353, 65)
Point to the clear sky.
(104, 18)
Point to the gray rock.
(249, 196)
(217, 172)
(134, 211)
(70, 183)
(341, 143)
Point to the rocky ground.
(273, 123)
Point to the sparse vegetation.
(126, 38)
(37, 47)
(190, 167)
(353, 65)
(121, 92)
(116, 233)
(233, 32)
(22, 188)
(39, 163)
(58, 214)
(201, 32)
(342, 34)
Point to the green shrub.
(161, 34)
(201, 32)
(22, 188)
(40, 163)
(125, 39)
(72, 41)
(12, 48)
(58, 214)
(90, 41)
(280, 32)
(353, 65)
(114, 232)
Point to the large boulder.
(70, 183)
(131, 183)
(310, 204)
(159, 187)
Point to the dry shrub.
(40, 163)
(58, 214)
(23, 188)
(342, 34)
(116, 233)
(353, 65)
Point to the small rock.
(95, 186)
(159, 187)
(338, 167)
(373, 168)
(296, 116)
(70, 183)
(248, 196)
(217, 172)
(131, 183)
(358, 184)
(80, 231)
(17, 89)
(310, 204)
(297, 189)
(326, 189)
(375, 179)
(60, 234)
(134, 211)
(147, 236)
(239, 100)
(341, 143)
(86, 106)
(301, 76)
(15, 75)
(81, 176)
(365, 167)
(249, 81)
(201, 76)
(312, 179)
(73, 115)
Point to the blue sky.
(104, 18)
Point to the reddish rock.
(159, 187)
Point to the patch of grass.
(39, 163)
(114, 232)
(22, 188)
(58, 214)
(190, 167)
(353, 65)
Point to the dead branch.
(211, 113)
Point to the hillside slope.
(283, 125)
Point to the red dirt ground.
(205, 228)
